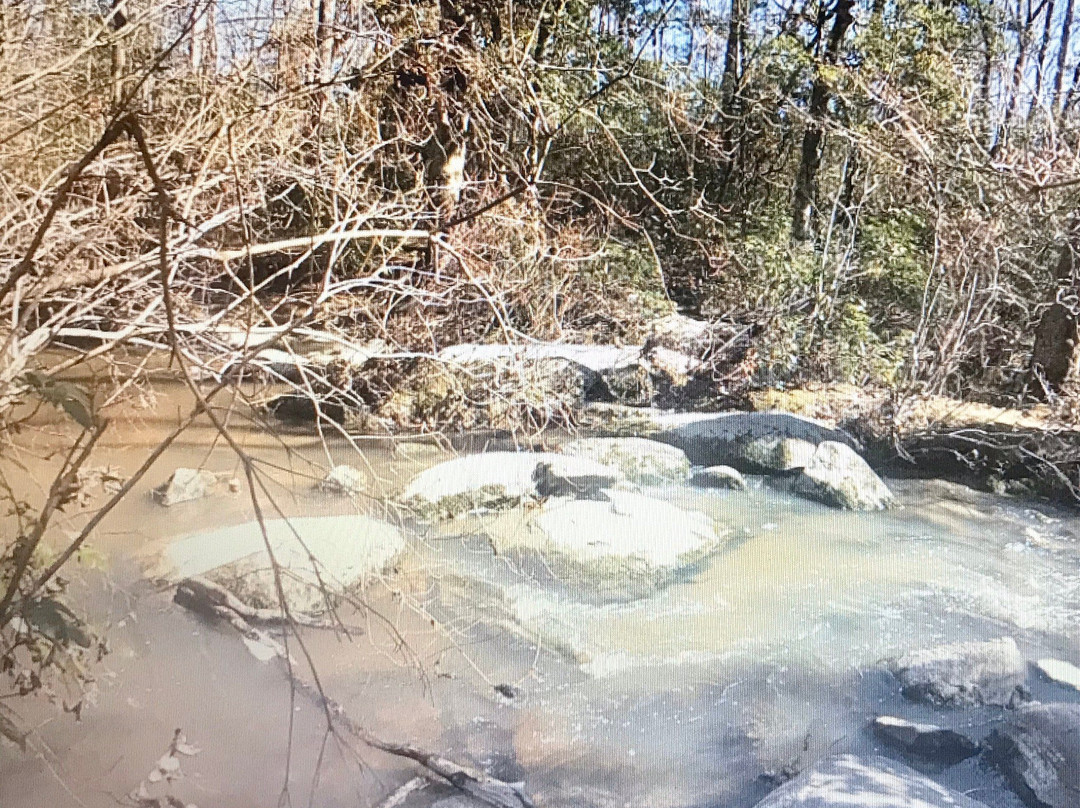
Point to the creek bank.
(685, 367)
(1029, 451)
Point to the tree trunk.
(1044, 44)
(1056, 335)
(1058, 101)
(1023, 34)
(729, 79)
(325, 40)
(803, 200)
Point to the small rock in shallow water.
(343, 480)
(1038, 751)
(494, 481)
(848, 781)
(719, 477)
(1062, 673)
(964, 674)
(185, 485)
(924, 741)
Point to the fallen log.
(207, 598)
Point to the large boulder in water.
(314, 554)
(963, 674)
(836, 475)
(498, 481)
(1038, 751)
(757, 442)
(618, 549)
(848, 781)
(639, 460)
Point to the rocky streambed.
(735, 611)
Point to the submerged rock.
(494, 481)
(639, 460)
(346, 550)
(343, 479)
(848, 781)
(185, 485)
(623, 548)
(926, 741)
(1038, 751)
(719, 477)
(1063, 673)
(749, 441)
(836, 475)
(964, 674)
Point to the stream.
(750, 665)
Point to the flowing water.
(752, 664)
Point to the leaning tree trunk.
(806, 179)
(1054, 354)
(733, 55)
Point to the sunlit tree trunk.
(1044, 45)
(1024, 21)
(1058, 101)
(729, 79)
(325, 40)
(1054, 354)
(204, 43)
(806, 178)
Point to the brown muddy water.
(764, 656)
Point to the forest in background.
(880, 193)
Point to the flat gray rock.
(963, 674)
(346, 550)
(639, 460)
(496, 481)
(749, 441)
(620, 548)
(1038, 751)
(848, 781)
